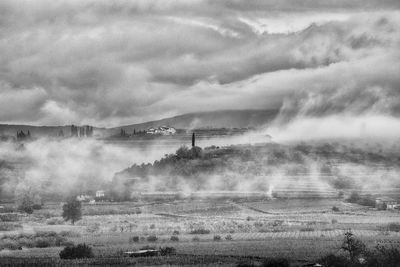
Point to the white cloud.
(109, 63)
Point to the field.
(300, 230)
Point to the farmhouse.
(100, 193)
(385, 203)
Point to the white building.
(100, 193)
(164, 130)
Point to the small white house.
(100, 193)
(386, 203)
(164, 130)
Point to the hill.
(210, 119)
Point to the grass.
(293, 233)
(37, 240)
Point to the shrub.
(335, 209)
(54, 221)
(167, 251)
(333, 260)
(200, 231)
(353, 246)
(174, 238)
(217, 238)
(134, 239)
(9, 217)
(387, 256)
(152, 238)
(153, 226)
(334, 221)
(79, 251)
(176, 232)
(228, 237)
(93, 228)
(394, 227)
(275, 262)
(196, 239)
(42, 242)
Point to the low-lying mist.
(304, 153)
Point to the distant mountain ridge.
(209, 119)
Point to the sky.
(110, 63)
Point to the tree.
(72, 210)
(26, 204)
(353, 246)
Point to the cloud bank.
(118, 62)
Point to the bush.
(275, 262)
(228, 237)
(394, 227)
(176, 232)
(77, 252)
(174, 238)
(217, 238)
(335, 209)
(42, 242)
(195, 239)
(9, 217)
(334, 261)
(134, 239)
(167, 251)
(54, 221)
(93, 228)
(153, 226)
(200, 231)
(152, 238)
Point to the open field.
(300, 230)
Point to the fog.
(370, 126)
(73, 165)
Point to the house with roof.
(385, 203)
(163, 130)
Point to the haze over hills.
(210, 119)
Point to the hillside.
(11, 129)
(210, 119)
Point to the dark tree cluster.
(79, 251)
(81, 131)
(22, 136)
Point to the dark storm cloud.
(111, 62)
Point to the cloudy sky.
(108, 63)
